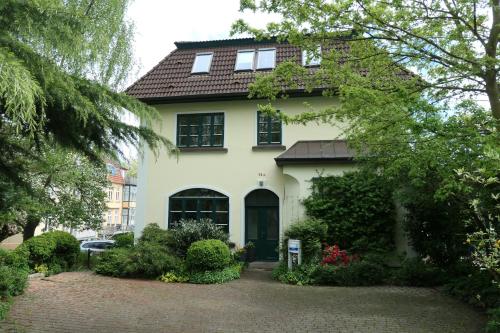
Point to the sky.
(159, 23)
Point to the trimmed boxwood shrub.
(57, 249)
(208, 255)
(113, 262)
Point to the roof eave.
(304, 161)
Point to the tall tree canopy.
(453, 45)
(61, 62)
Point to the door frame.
(244, 214)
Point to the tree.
(64, 189)
(60, 62)
(453, 45)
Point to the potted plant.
(249, 252)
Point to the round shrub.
(56, 249)
(208, 255)
(151, 260)
(113, 262)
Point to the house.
(246, 171)
(129, 202)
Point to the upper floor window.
(200, 130)
(268, 129)
(266, 58)
(244, 60)
(310, 58)
(202, 62)
(117, 195)
(247, 60)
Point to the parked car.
(99, 245)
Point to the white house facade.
(246, 171)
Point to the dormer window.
(202, 62)
(266, 58)
(310, 58)
(249, 60)
(244, 60)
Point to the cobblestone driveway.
(84, 302)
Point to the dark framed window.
(198, 203)
(268, 129)
(200, 130)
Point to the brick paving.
(85, 302)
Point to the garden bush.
(12, 280)
(57, 249)
(171, 277)
(124, 240)
(300, 275)
(312, 233)
(208, 255)
(358, 210)
(152, 233)
(151, 260)
(417, 273)
(476, 288)
(361, 273)
(17, 259)
(114, 262)
(190, 231)
(493, 325)
(218, 276)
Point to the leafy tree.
(453, 45)
(60, 63)
(64, 189)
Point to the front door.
(262, 224)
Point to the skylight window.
(310, 58)
(244, 60)
(202, 62)
(266, 58)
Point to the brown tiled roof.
(172, 80)
(316, 151)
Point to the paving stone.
(85, 302)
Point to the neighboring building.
(244, 170)
(114, 193)
(129, 202)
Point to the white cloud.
(159, 23)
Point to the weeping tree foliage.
(61, 63)
(453, 45)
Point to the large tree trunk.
(29, 229)
(490, 77)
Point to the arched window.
(198, 203)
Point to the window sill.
(268, 147)
(202, 149)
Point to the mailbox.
(294, 253)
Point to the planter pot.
(250, 255)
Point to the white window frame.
(209, 63)
(253, 60)
(256, 61)
(304, 57)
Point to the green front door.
(262, 225)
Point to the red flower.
(332, 255)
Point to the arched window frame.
(197, 203)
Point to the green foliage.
(59, 62)
(13, 277)
(300, 275)
(124, 240)
(360, 273)
(114, 262)
(5, 304)
(476, 288)
(312, 233)
(217, 276)
(56, 249)
(208, 255)
(17, 259)
(150, 258)
(190, 231)
(416, 272)
(493, 325)
(358, 210)
(170, 277)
